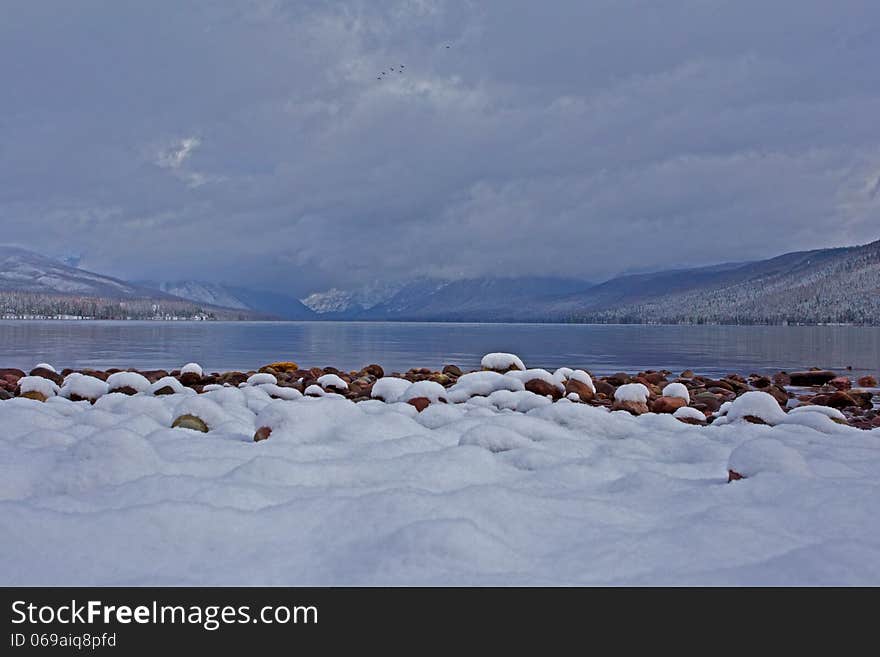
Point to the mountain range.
(840, 285)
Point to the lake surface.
(399, 346)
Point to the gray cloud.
(170, 140)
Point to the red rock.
(636, 408)
(452, 370)
(654, 378)
(262, 434)
(782, 379)
(867, 382)
(604, 388)
(838, 400)
(189, 379)
(374, 370)
(667, 404)
(841, 383)
(582, 389)
(541, 387)
(421, 403)
(47, 374)
(733, 475)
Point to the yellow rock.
(33, 394)
(281, 366)
(190, 422)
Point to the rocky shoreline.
(854, 402)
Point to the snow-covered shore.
(376, 493)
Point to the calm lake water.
(399, 346)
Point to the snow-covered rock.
(36, 384)
(332, 381)
(766, 455)
(482, 384)
(751, 406)
(501, 362)
(389, 388)
(192, 368)
(430, 390)
(632, 392)
(677, 390)
(135, 381)
(83, 386)
(261, 378)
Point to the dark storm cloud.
(252, 140)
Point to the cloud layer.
(197, 140)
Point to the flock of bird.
(397, 70)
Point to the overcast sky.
(251, 140)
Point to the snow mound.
(261, 378)
(38, 384)
(45, 366)
(482, 384)
(138, 382)
(767, 455)
(677, 390)
(431, 390)
(754, 404)
(210, 412)
(192, 368)
(170, 382)
(688, 413)
(833, 413)
(632, 392)
(83, 386)
(500, 361)
(389, 388)
(332, 381)
(583, 377)
(530, 375)
(280, 392)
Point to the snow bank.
(632, 392)
(677, 390)
(503, 489)
(500, 361)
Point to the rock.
(754, 419)
(190, 422)
(374, 370)
(779, 394)
(707, 399)
(189, 379)
(782, 379)
(653, 378)
(841, 383)
(316, 373)
(838, 400)
(452, 370)
(687, 374)
(720, 383)
(331, 370)
(733, 475)
(280, 366)
(862, 398)
(421, 403)
(634, 407)
(580, 388)
(667, 404)
(33, 394)
(811, 377)
(541, 387)
(761, 382)
(618, 379)
(165, 390)
(47, 374)
(125, 390)
(604, 388)
(5, 394)
(867, 382)
(262, 434)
